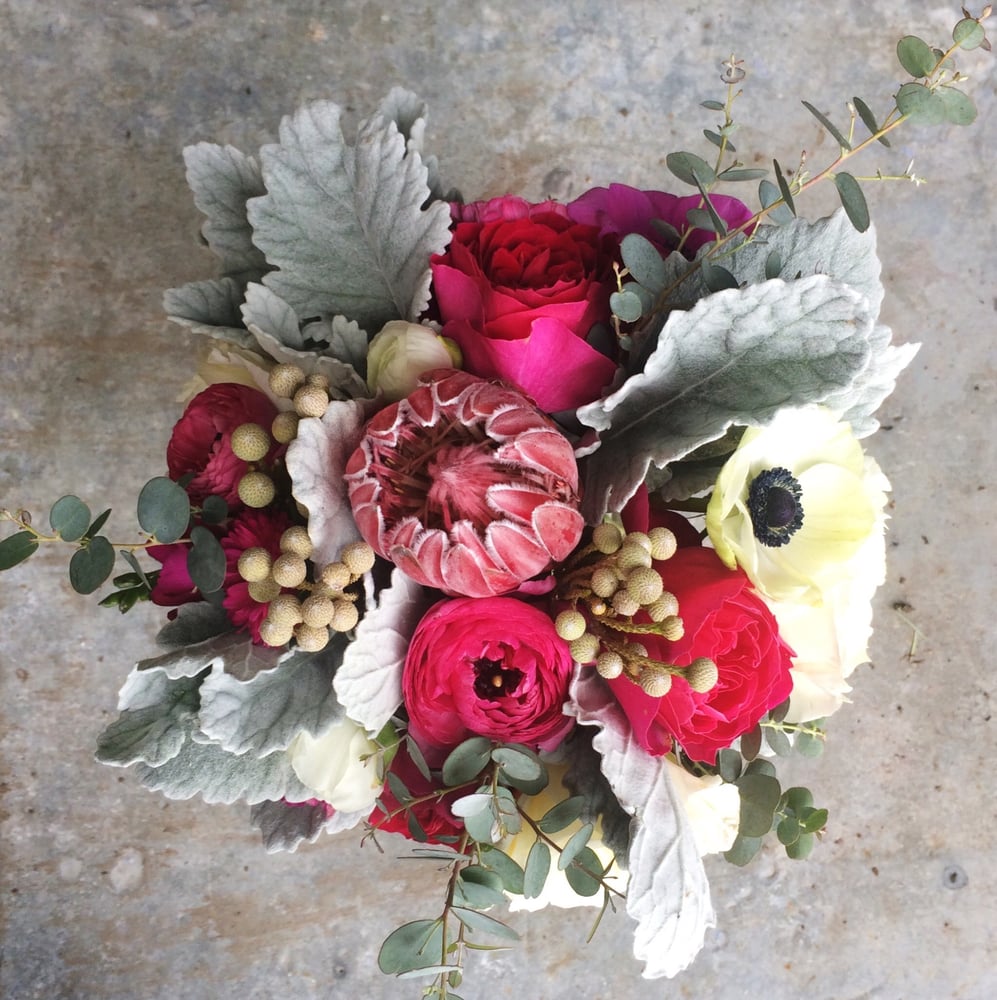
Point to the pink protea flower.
(466, 486)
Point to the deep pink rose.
(620, 210)
(728, 622)
(466, 486)
(201, 442)
(490, 667)
(519, 289)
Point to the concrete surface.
(112, 892)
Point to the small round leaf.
(91, 566)
(163, 509)
(969, 33)
(958, 107)
(70, 517)
(577, 873)
(852, 200)
(415, 945)
(915, 56)
(206, 561)
(535, 872)
(920, 104)
(626, 305)
(16, 549)
(689, 167)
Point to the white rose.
(712, 806)
(400, 353)
(331, 766)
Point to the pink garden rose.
(492, 667)
(518, 290)
(465, 486)
(201, 446)
(728, 622)
(620, 210)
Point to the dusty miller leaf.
(203, 306)
(369, 683)
(344, 382)
(266, 712)
(668, 893)
(345, 224)
(284, 825)
(156, 714)
(265, 312)
(316, 461)
(194, 623)
(223, 179)
(234, 651)
(736, 357)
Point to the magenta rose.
(201, 444)
(519, 289)
(620, 210)
(728, 622)
(490, 667)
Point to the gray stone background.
(109, 891)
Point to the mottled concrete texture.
(111, 892)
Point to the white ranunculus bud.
(400, 353)
(332, 768)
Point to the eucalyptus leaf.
(788, 831)
(206, 563)
(626, 306)
(729, 765)
(643, 261)
(959, 107)
(16, 548)
(751, 743)
(814, 820)
(736, 357)
(760, 795)
(476, 921)
(916, 56)
(801, 848)
(922, 105)
(829, 125)
(778, 742)
(578, 873)
(70, 518)
(743, 850)
(479, 888)
(784, 190)
(852, 200)
(521, 764)
(163, 510)
(91, 566)
(471, 805)
(536, 870)
(769, 194)
(690, 168)
(562, 815)
(798, 798)
(414, 945)
(741, 174)
(266, 712)
(969, 33)
(467, 760)
(808, 745)
(508, 870)
(345, 224)
(668, 893)
(869, 119)
(223, 179)
(574, 844)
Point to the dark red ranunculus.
(491, 666)
(620, 210)
(519, 289)
(728, 622)
(200, 445)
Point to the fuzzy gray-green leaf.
(283, 825)
(345, 224)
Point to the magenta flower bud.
(466, 486)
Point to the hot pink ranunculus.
(728, 622)
(201, 447)
(491, 667)
(620, 210)
(466, 486)
(519, 289)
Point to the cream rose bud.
(400, 353)
(332, 766)
(712, 806)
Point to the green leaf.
(129, 558)
(269, 709)
(98, 522)
(760, 766)
(809, 745)
(163, 510)
(483, 824)
(741, 174)
(729, 765)
(788, 831)
(476, 921)
(969, 33)
(769, 194)
(813, 820)
(916, 56)
(868, 119)
(760, 794)
(508, 871)
(284, 826)
(784, 190)
(717, 278)
(798, 798)
(738, 356)
(921, 105)
(223, 179)
(91, 566)
(743, 850)
(345, 224)
(577, 873)
(801, 848)
(959, 107)
(535, 872)
(16, 548)
(712, 105)
(415, 945)
(214, 510)
(416, 832)
(575, 843)
(206, 562)
(467, 760)
(518, 762)
(773, 265)
(829, 125)
(70, 518)
(751, 743)
(209, 307)
(480, 887)
(852, 200)
(643, 261)
(626, 305)
(717, 139)
(780, 711)
(778, 741)
(689, 167)
(562, 815)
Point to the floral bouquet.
(534, 533)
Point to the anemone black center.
(492, 681)
(774, 503)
